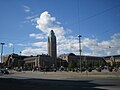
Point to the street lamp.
(79, 36)
(2, 51)
(19, 61)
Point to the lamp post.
(2, 52)
(20, 60)
(79, 36)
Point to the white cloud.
(10, 45)
(104, 44)
(118, 51)
(46, 22)
(23, 45)
(68, 44)
(33, 51)
(40, 44)
(31, 18)
(116, 36)
(102, 48)
(89, 42)
(38, 36)
(26, 8)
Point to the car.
(0, 73)
(4, 71)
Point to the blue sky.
(25, 25)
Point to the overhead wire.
(92, 16)
(89, 17)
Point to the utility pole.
(2, 52)
(19, 61)
(79, 36)
(13, 49)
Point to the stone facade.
(39, 61)
(52, 47)
(72, 58)
(113, 60)
(14, 60)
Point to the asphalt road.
(67, 84)
(60, 81)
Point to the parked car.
(4, 71)
(89, 69)
(0, 73)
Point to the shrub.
(83, 69)
(98, 69)
(110, 69)
(89, 69)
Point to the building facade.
(39, 61)
(14, 60)
(85, 60)
(113, 60)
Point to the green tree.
(72, 65)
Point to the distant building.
(14, 60)
(86, 60)
(113, 60)
(39, 61)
